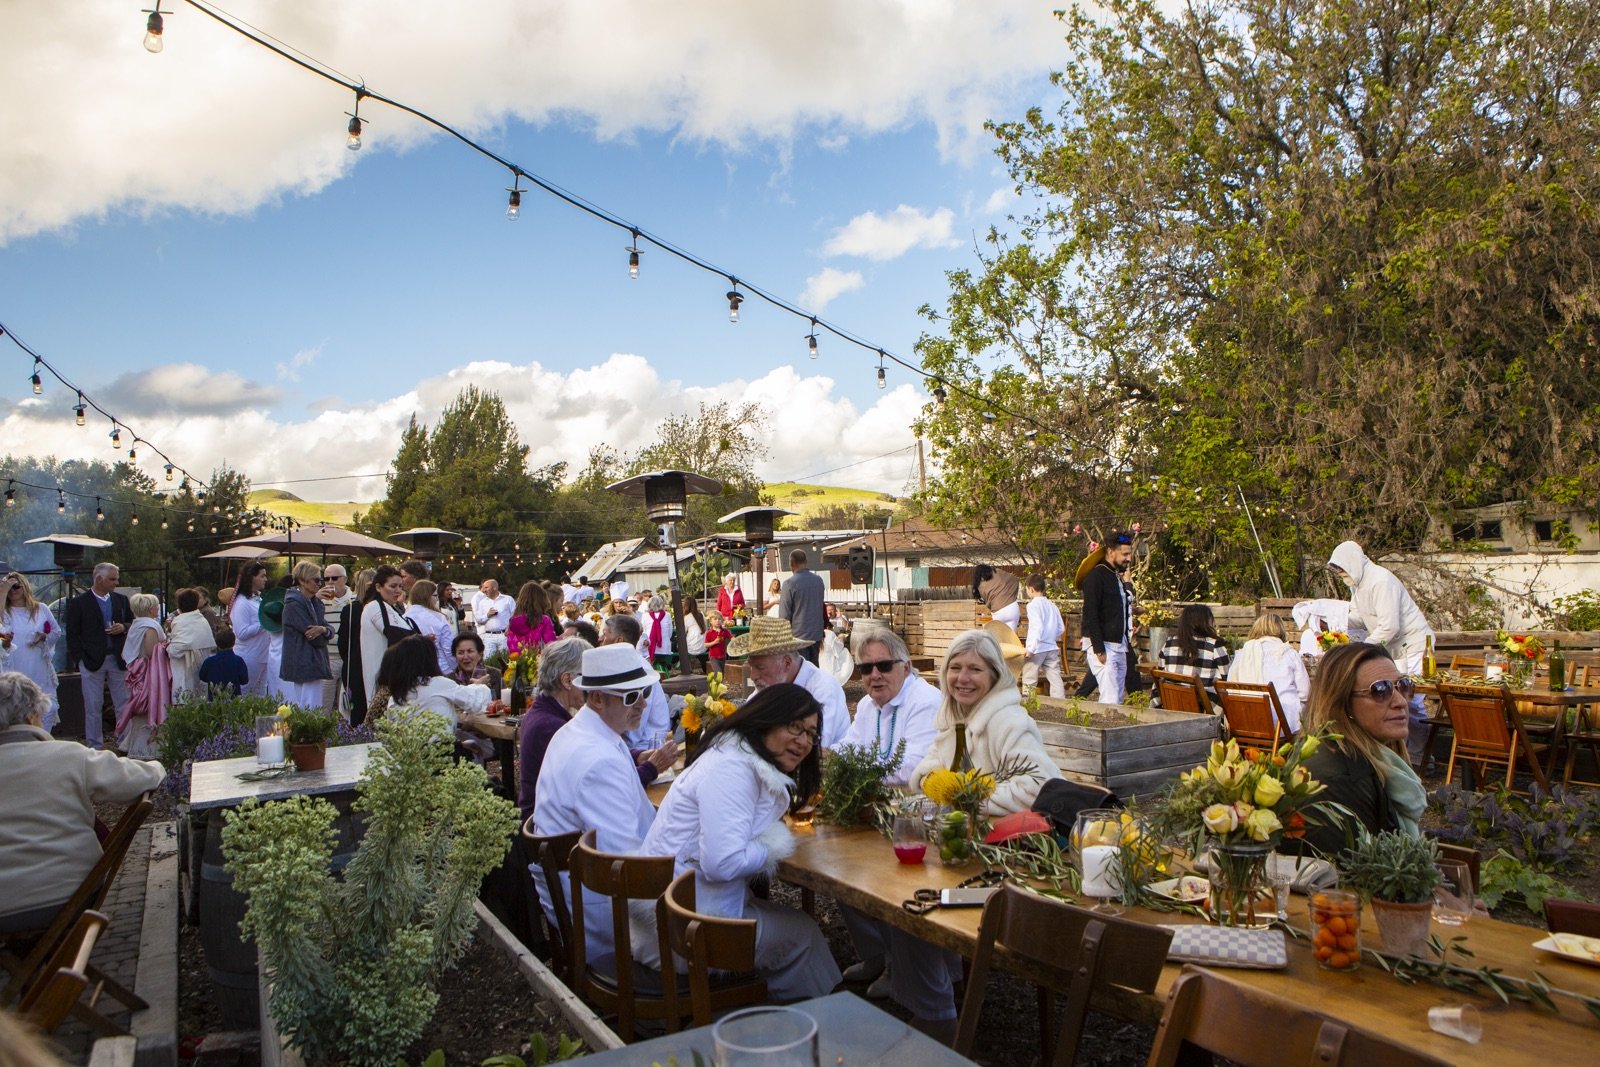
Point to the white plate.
(1189, 889)
(666, 776)
(1572, 947)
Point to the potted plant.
(1397, 873)
(853, 779)
(308, 733)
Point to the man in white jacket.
(1380, 604)
(588, 780)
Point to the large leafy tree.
(1337, 256)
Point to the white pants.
(303, 694)
(493, 640)
(922, 976)
(1112, 675)
(1011, 614)
(1048, 661)
(93, 684)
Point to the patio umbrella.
(241, 553)
(322, 539)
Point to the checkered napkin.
(1222, 946)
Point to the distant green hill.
(279, 502)
(809, 499)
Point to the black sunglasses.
(882, 666)
(1381, 690)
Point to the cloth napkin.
(1223, 946)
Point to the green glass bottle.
(961, 761)
(1558, 670)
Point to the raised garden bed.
(1130, 757)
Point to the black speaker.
(861, 564)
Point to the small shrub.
(1391, 866)
(1548, 831)
(1503, 876)
(852, 782)
(191, 722)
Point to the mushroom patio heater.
(666, 501)
(69, 550)
(425, 541)
(759, 522)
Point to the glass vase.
(1240, 895)
(957, 838)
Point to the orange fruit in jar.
(1338, 961)
(1348, 942)
(1335, 925)
(1320, 900)
(1326, 939)
(1322, 952)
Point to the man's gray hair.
(879, 635)
(625, 627)
(21, 699)
(105, 568)
(557, 658)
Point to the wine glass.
(1097, 840)
(1452, 900)
(765, 1037)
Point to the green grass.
(805, 499)
(278, 502)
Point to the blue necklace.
(877, 733)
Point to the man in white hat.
(588, 780)
(776, 655)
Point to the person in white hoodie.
(1267, 657)
(723, 820)
(1380, 604)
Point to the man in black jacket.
(1106, 618)
(97, 623)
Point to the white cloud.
(619, 402)
(290, 371)
(882, 237)
(830, 282)
(218, 124)
(186, 389)
(1000, 200)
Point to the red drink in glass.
(911, 853)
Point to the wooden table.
(1540, 698)
(504, 735)
(856, 867)
(215, 783)
(849, 1030)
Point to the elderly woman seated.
(48, 844)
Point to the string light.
(133, 519)
(78, 412)
(153, 30)
(11, 494)
(883, 378)
(169, 472)
(38, 382)
(133, 451)
(61, 503)
(633, 257)
(116, 436)
(99, 512)
(735, 298)
(939, 395)
(514, 205)
(354, 127)
(811, 338)
(163, 518)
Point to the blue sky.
(189, 241)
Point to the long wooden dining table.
(857, 867)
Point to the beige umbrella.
(322, 539)
(241, 553)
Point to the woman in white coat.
(1267, 657)
(30, 633)
(190, 641)
(251, 641)
(723, 820)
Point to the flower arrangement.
(966, 790)
(1519, 646)
(1327, 639)
(702, 711)
(740, 616)
(964, 793)
(521, 668)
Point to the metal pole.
(760, 554)
(1266, 560)
(680, 643)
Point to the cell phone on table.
(966, 898)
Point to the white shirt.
(909, 716)
(657, 718)
(646, 623)
(505, 608)
(569, 593)
(586, 592)
(694, 638)
(1267, 659)
(444, 697)
(830, 694)
(1045, 625)
(588, 782)
(433, 624)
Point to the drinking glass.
(1281, 879)
(765, 1037)
(1097, 840)
(1460, 1021)
(1452, 900)
(910, 837)
(1336, 929)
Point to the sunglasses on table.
(882, 666)
(1381, 690)
(798, 729)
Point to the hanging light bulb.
(169, 472)
(811, 338)
(11, 494)
(153, 31)
(99, 512)
(633, 257)
(735, 298)
(883, 378)
(38, 382)
(116, 436)
(939, 394)
(514, 205)
(78, 412)
(61, 502)
(190, 526)
(133, 451)
(163, 518)
(133, 519)
(354, 126)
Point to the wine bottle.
(961, 761)
(1430, 665)
(1558, 670)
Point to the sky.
(186, 237)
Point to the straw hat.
(767, 636)
(1011, 646)
(1090, 562)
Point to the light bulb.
(354, 143)
(38, 382)
(133, 454)
(514, 205)
(163, 520)
(883, 379)
(11, 498)
(133, 520)
(152, 33)
(735, 298)
(169, 472)
(78, 413)
(99, 512)
(633, 263)
(61, 504)
(811, 345)
(116, 437)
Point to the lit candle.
(1492, 671)
(1102, 870)
(269, 750)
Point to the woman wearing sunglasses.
(1360, 692)
(723, 820)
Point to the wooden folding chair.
(1257, 1029)
(1489, 730)
(1572, 917)
(65, 977)
(551, 855)
(1181, 692)
(25, 954)
(615, 984)
(721, 954)
(1254, 713)
(1466, 665)
(1585, 733)
(1091, 952)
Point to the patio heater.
(425, 541)
(69, 550)
(666, 501)
(759, 521)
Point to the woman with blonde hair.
(305, 665)
(29, 632)
(149, 679)
(1267, 657)
(422, 608)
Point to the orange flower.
(1295, 825)
(1253, 755)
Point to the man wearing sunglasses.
(587, 781)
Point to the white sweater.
(999, 728)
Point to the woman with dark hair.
(998, 591)
(694, 631)
(1360, 692)
(531, 626)
(467, 651)
(251, 642)
(723, 820)
(1196, 648)
(409, 677)
(380, 623)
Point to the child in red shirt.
(717, 638)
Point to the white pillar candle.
(1102, 871)
(1492, 671)
(269, 750)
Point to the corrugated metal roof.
(654, 561)
(609, 558)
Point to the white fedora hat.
(614, 668)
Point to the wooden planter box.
(1134, 759)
